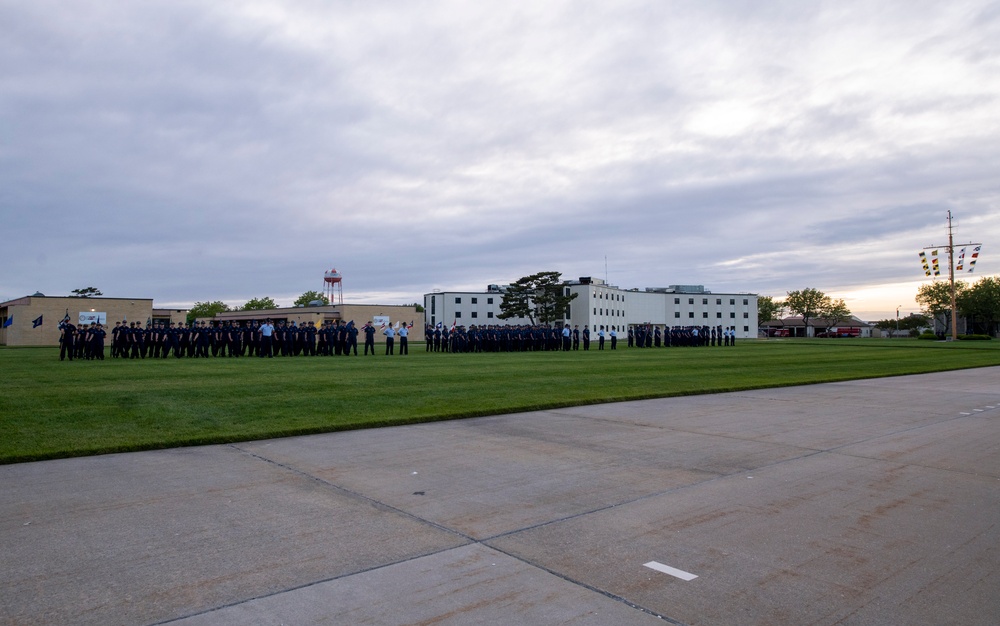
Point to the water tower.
(332, 287)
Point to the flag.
(382, 326)
(10, 320)
(65, 317)
(397, 325)
(411, 324)
(440, 325)
(454, 324)
(35, 323)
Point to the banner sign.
(90, 317)
(380, 321)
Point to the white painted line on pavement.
(964, 413)
(666, 569)
(978, 410)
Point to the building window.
(475, 314)
(691, 314)
(732, 316)
(746, 329)
(489, 314)
(458, 314)
(433, 305)
(718, 300)
(690, 300)
(719, 315)
(677, 313)
(732, 301)
(475, 301)
(704, 300)
(458, 301)
(746, 316)
(489, 300)
(677, 300)
(746, 301)
(705, 314)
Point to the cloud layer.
(192, 151)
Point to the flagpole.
(951, 276)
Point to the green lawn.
(51, 409)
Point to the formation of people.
(131, 340)
(531, 338)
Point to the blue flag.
(10, 320)
(35, 323)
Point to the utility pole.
(897, 320)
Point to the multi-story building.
(599, 304)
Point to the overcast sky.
(194, 151)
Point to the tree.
(86, 292)
(206, 309)
(310, 296)
(981, 302)
(808, 303)
(539, 297)
(935, 300)
(259, 304)
(768, 309)
(834, 312)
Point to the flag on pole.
(397, 325)
(10, 320)
(35, 323)
(65, 317)
(410, 324)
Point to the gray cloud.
(189, 152)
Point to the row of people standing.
(261, 338)
(650, 336)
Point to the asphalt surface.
(866, 502)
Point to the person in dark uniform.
(66, 339)
(586, 337)
(369, 338)
(97, 343)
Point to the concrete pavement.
(864, 502)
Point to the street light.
(897, 320)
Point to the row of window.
(458, 300)
(717, 315)
(732, 301)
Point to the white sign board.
(380, 321)
(89, 317)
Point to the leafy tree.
(935, 300)
(808, 303)
(206, 309)
(768, 309)
(86, 292)
(834, 312)
(310, 296)
(259, 304)
(539, 297)
(416, 305)
(981, 302)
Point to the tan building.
(34, 320)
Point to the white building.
(599, 304)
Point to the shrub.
(928, 336)
(975, 337)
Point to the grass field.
(51, 409)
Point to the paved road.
(867, 502)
